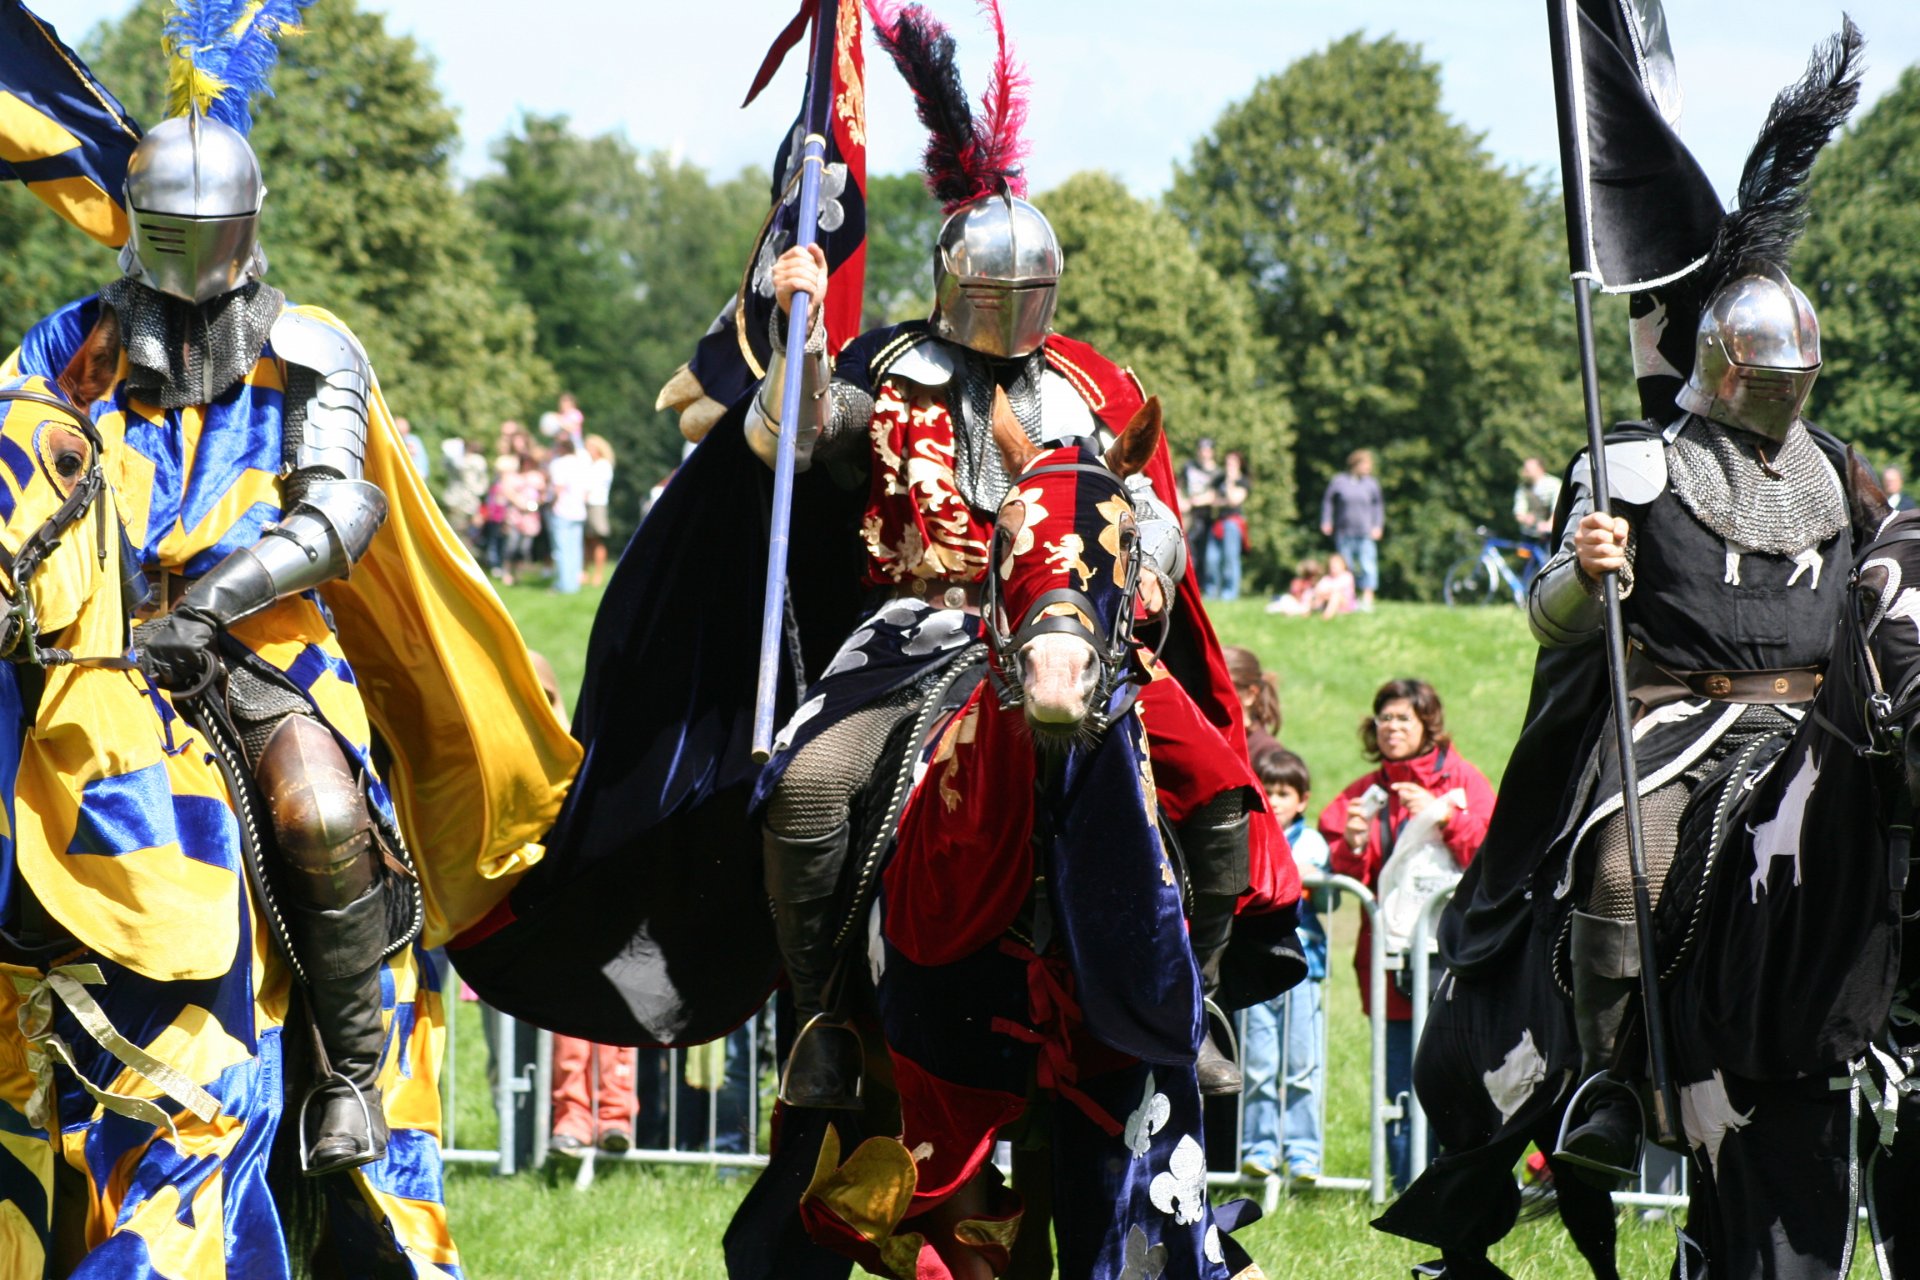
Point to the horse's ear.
(1867, 503)
(1130, 454)
(90, 372)
(1015, 449)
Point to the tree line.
(1328, 270)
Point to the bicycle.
(1485, 577)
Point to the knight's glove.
(176, 650)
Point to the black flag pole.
(813, 164)
(1563, 20)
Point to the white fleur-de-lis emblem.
(1147, 1119)
(833, 185)
(1182, 1189)
(1143, 1260)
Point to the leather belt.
(942, 593)
(1652, 685)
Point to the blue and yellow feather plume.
(222, 52)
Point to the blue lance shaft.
(813, 163)
(1563, 20)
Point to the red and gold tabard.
(917, 525)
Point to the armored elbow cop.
(767, 415)
(1162, 542)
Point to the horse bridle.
(20, 633)
(1882, 716)
(1120, 665)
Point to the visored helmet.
(996, 276)
(1756, 354)
(193, 200)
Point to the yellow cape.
(481, 763)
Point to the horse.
(148, 1039)
(1023, 935)
(1779, 937)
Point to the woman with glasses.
(1419, 768)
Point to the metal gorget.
(1780, 503)
(181, 353)
(977, 469)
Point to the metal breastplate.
(1782, 505)
(978, 471)
(181, 354)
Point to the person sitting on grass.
(1285, 1069)
(1333, 594)
(1297, 601)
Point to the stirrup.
(824, 1025)
(1591, 1090)
(366, 1155)
(1212, 1013)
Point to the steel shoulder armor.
(330, 510)
(1162, 541)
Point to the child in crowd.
(1284, 1069)
(1333, 594)
(1298, 600)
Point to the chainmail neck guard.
(1780, 505)
(978, 471)
(181, 353)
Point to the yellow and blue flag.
(61, 132)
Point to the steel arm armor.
(331, 511)
(1162, 541)
(829, 410)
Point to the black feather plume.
(1772, 213)
(923, 50)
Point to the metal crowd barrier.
(522, 1081)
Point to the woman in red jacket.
(1419, 768)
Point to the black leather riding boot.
(803, 879)
(1605, 960)
(342, 1123)
(1214, 842)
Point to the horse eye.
(69, 463)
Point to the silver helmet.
(193, 197)
(1756, 354)
(996, 276)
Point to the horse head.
(1064, 576)
(56, 549)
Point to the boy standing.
(1293, 1020)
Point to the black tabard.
(1688, 617)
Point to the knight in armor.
(197, 361)
(911, 406)
(1731, 537)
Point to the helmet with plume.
(1757, 351)
(996, 265)
(193, 189)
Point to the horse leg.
(1588, 1214)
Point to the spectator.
(1283, 1108)
(517, 491)
(1259, 698)
(1894, 482)
(465, 492)
(513, 440)
(567, 420)
(568, 479)
(1297, 600)
(1534, 501)
(1333, 593)
(1229, 532)
(1353, 512)
(416, 447)
(1407, 735)
(599, 491)
(1200, 491)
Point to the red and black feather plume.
(966, 157)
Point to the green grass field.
(666, 1224)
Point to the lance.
(1563, 21)
(813, 161)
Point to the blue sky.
(1121, 85)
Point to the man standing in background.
(1353, 512)
(1534, 501)
(1894, 482)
